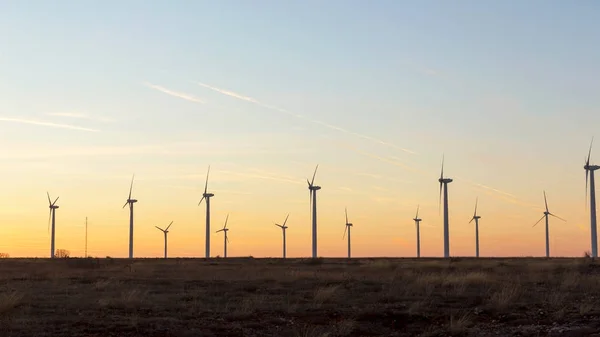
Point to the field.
(299, 297)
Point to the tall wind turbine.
(589, 172)
(418, 225)
(283, 228)
(444, 183)
(348, 227)
(312, 190)
(130, 202)
(225, 239)
(53, 207)
(476, 218)
(207, 196)
(165, 231)
(545, 216)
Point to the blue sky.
(506, 89)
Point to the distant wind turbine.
(225, 239)
(545, 216)
(589, 172)
(348, 228)
(312, 190)
(165, 231)
(207, 196)
(130, 202)
(52, 215)
(418, 225)
(283, 228)
(444, 183)
(476, 218)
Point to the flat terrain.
(297, 297)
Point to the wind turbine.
(225, 240)
(283, 228)
(418, 225)
(348, 227)
(130, 202)
(444, 183)
(207, 196)
(476, 218)
(312, 190)
(165, 231)
(589, 172)
(546, 213)
(53, 207)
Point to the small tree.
(4, 255)
(62, 253)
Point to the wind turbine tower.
(545, 216)
(165, 231)
(348, 227)
(207, 196)
(130, 202)
(283, 228)
(225, 239)
(476, 218)
(444, 183)
(589, 172)
(312, 190)
(418, 225)
(53, 207)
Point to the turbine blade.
(546, 201)
(539, 220)
(131, 187)
(226, 219)
(55, 200)
(442, 173)
(440, 202)
(587, 173)
(345, 229)
(473, 218)
(417, 216)
(346, 214)
(201, 201)
(556, 216)
(162, 230)
(166, 229)
(280, 226)
(314, 174)
(220, 230)
(206, 183)
(227, 238)
(49, 216)
(476, 200)
(286, 219)
(127, 202)
(49, 201)
(590, 151)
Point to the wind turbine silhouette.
(418, 225)
(283, 228)
(589, 172)
(130, 202)
(348, 227)
(165, 231)
(476, 218)
(444, 183)
(207, 196)
(52, 215)
(312, 190)
(546, 213)
(225, 240)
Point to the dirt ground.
(299, 297)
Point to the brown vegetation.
(327, 297)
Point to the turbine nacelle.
(589, 167)
(208, 195)
(445, 180)
(417, 219)
(131, 201)
(314, 188)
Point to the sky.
(376, 93)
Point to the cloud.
(41, 123)
(79, 116)
(265, 177)
(374, 156)
(181, 95)
(271, 107)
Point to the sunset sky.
(375, 92)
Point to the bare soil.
(299, 297)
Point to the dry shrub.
(325, 294)
(505, 297)
(459, 324)
(10, 301)
(345, 327)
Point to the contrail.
(181, 95)
(79, 116)
(330, 126)
(389, 161)
(54, 125)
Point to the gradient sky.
(373, 91)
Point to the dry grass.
(297, 297)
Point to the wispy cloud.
(181, 95)
(265, 177)
(274, 108)
(374, 156)
(41, 123)
(77, 115)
